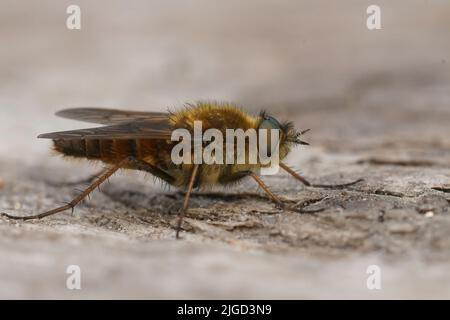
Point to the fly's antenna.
(299, 134)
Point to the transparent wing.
(108, 116)
(141, 129)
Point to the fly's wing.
(151, 128)
(108, 116)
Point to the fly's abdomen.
(104, 149)
(73, 148)
(90, 148)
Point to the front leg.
(272, 196)
(309, 184)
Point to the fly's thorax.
(212, 115)
(222, 134)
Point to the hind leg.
(71, 205)
(86, 181)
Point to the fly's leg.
(87, 181)
(278, 201)
(186, 200)
(309, 184)
(272, 196)
(71, 205)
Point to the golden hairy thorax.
(213, 115)
(156, 153)
(218, 116)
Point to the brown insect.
(142, 141)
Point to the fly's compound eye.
(273, 138)
(270, 123)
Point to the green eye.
(269, 123)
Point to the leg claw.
(280, 205)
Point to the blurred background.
(370, 96)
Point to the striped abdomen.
(109, 151)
